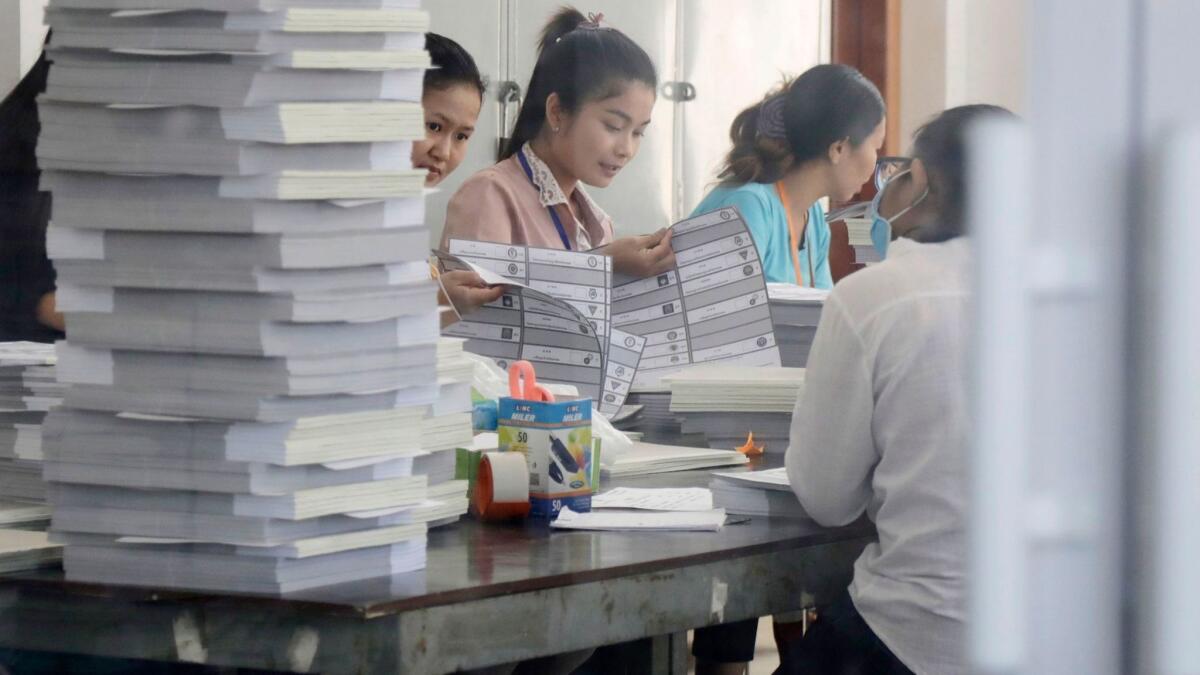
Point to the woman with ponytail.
(817, 137)
(587, 108)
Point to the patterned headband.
(770, 118)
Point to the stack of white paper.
(256, 400)
(649, 521)
(859, 231)
(727, 404)
(654, 421)
(28, 389)
(756, 493)
(446, 427)
(796, 311)
(647, 458)
(23, 550)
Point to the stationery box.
(557, 441)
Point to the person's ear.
(838, 150)
(555, 113)
(919, 173)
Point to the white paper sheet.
(655, 499)
(654, 521)
(769, 479)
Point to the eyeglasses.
(887, 168)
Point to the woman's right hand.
(642, 256)
(466, 291)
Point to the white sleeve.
(832, 452)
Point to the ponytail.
(581, 62)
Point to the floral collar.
(549, 191)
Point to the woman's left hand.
(644, 255)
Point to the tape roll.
(501, 487)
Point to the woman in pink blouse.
(588, 106)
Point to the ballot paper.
(230, 5)
(653, 521)
(768, 479)
(584, 281)
(222, 84)
(287, 123)
(202, 31)
(23, 550)
(580, 279)
(100, 201)
(655, 499)
(530, 325)
(712, 307)
(647, 458)
(756, 493)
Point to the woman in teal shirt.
(817, 137)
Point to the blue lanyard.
(562, 232)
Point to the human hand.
(643, 255)
(466, 291)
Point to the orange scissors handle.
(522, 383)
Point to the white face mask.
(881, 228)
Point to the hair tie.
(770, 118)
(593, 20)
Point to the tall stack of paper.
(252, 332)
(727, 403)
(446, 427)
(796, 311)
(28, 389)
(756, 493)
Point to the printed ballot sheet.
(527, 324)
(583, 281)
(712, 307)
(580, 279)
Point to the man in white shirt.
(883, 426)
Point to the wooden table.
(490, 594)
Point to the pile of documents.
(28, 390)
(255, 380)
(756, 493)
(859, 231)
(22, 550)
(646, 458)
(728, 403)
(796, 311)
(654, 422)
(647, 509)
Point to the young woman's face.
(856, 165)
(603, 136)
(450, 117)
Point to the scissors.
(522, 383)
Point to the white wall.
(954, 52)
(20, 39)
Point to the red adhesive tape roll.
(501, 487)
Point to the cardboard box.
(556, 439)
